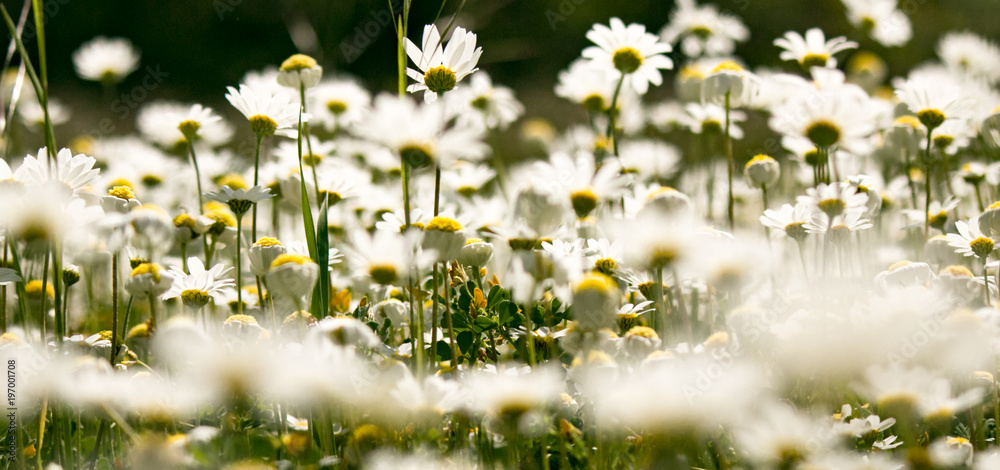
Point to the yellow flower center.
(440, 79)
(190, 129)
(727, 66)
(584, 202)
(442, 224)
(267, 241)
(627, 60)
(122, 192)
(931, 118)
(233, 180)
(814, 60)
(384, 274)
(336, 107)
(287, 258)
(262, 126)
(298, 62)
(823, 133)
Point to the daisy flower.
(199, 285)
(813, 49)
(629, 54)
(789, 220)
(729, 81)
(827, 118)
(299, 71)
(240, 199)
(481, 104)
(417, 133)
(339, 103)
(970, 240)
(702, 30)
(881, 19)
(970, 54)
(582, 86)
(578, 176)
(834, 199)
(840, 227)
(164, 124)
(269, 113)
(932, 100)
(106, 60)
(709, 118)
(440, 68)
(75, 172)
(650, 159)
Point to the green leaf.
(323, 260)
(484, 323)
(496, 295)
(508, 313)
(464, 341)
(461, 321)
(443, 350)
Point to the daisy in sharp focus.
(105, 60)
(628, 53)
(440, 68)
(702, 30)
(269, 113)
(812, 50)
(970, 240)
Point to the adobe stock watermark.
(127, 102)
(565, 9)
(366, 33)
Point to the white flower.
(417, 133)
(481, 104)
(582, 86)
(813, 49)
(933, 100)
(970, 54)
(106, 60)
(440, 68)
(75, 172)
(268, 113)
(208, 283)
(160, 122)
(299, 71)
(970, 240)
(881, 19)
(702, 30)
(339, 103)
(628, 51)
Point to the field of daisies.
(364, 284)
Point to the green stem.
(197, 177)
(613, 112)
(729, 166)
(927, 188)
(239, 276)
(256, 181)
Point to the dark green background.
(205, 45)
